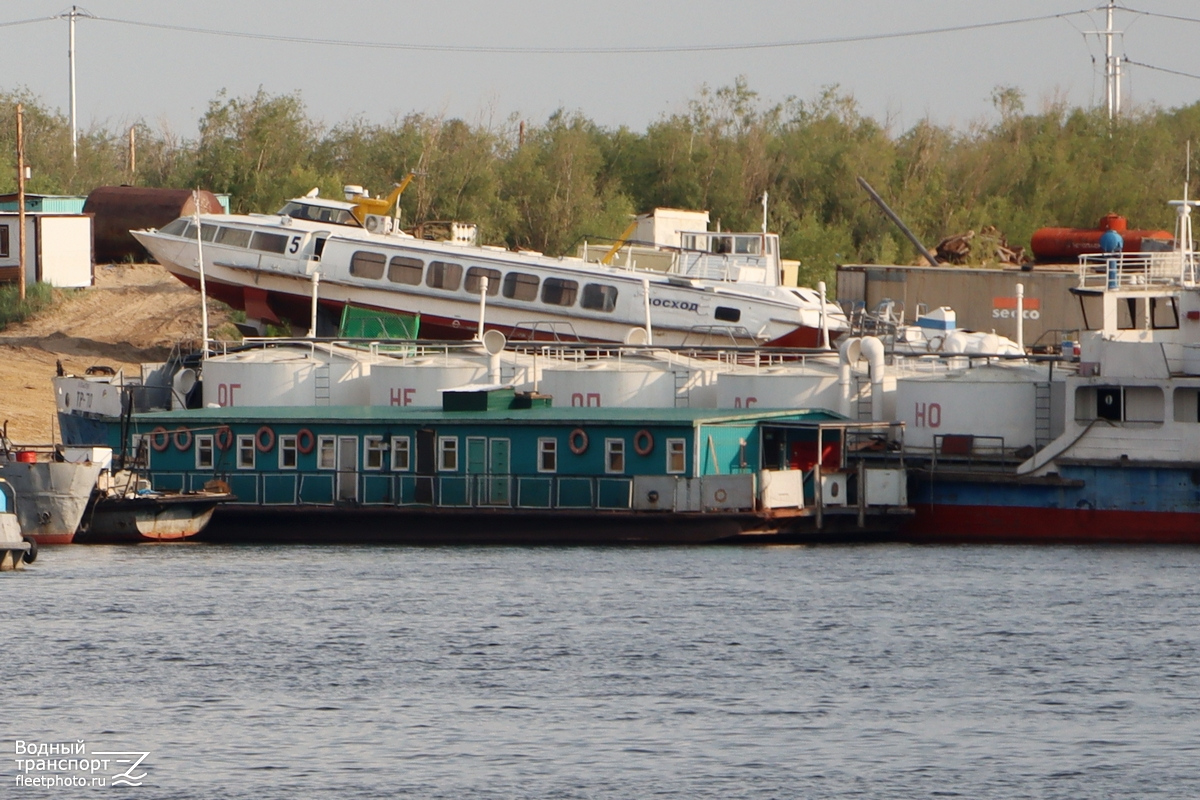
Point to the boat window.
(559, 292)
(475, 276)
(547, 455)
(1187, 405)
(747, 245)
(269, 242)
(374, 449)
(727, 314)
(408, 271)
(401, 454)
(318, 246)
(1143, 404)
(208, 232)
(1164, 313)
(443, 275)
(204, 451)
(676, 456)
(245, 452)
(288, 458)
(599, 297)
(614, 456)
(447, 453)
(520, 286)
(326, 452)
(722, 244)
(338, 216)
(234, 237)
(1108, 403)
(365, 264)
(175, 228)
(4, 241)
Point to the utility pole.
(21, 201)
(1112, 69)
(71, 61)
(132, 151)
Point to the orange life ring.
(159, 439)
(303, 435)
(264, 447)
(224, 438)
(578, 441)
(182, 438)
(643, 442)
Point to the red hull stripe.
(1028, 525)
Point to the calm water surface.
(882, 671)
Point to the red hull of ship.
(1029, 525)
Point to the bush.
(13, 309)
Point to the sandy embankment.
(134, 313)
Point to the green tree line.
(549, 185)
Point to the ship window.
(1143, 404)
(245, 452)
(401, 454)
(269, 242)
(1164, 314)
(287, 452)
(406, 270)
(727, 314)
(520, 286)
(443, 275)
(676, 456)
(204, 451)
(234, 237)
(599, 297)
(374, 449)
(175, 228)
(475, 276)
(1187, 405)
(547, 455)
(208, 232)
(448, 453)
(326, 452)
(614, 456)
(1108, 404)
(559, 292)
(365, 264)
(747, 245)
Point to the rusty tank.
(1065, 245)
(116, 210)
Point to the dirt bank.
(134, 313)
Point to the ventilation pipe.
(849, 350)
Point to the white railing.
(1127, 271)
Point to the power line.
(14, 23)
(1157, 14)
(1161, 69)
(688, 48)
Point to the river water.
(878, 671)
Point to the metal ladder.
(683, 389)
(1041, 414)
(865, 400)
(321, 385)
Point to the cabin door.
(498, 469)
(426, 465)
(347, 469)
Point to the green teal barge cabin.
(499, 474)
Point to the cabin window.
(374, 449)
(1164, 313)
(727, 314)
(614, 456)
(443, 275)
(1108, 404)
(204, 451)
(448, 453)
(408, 271)
(234, 237)
(520, 286)
(175, 228)
(245, 452)
(288, 458)
(1117, 404)
(269, 242)
(559, 292)
(475, 277)
(599, 297)
(747, 245)
(365, 264)
(327, 452)
(676, 456)
(1143, 404)
(1187, 405)
(401, 454)
(547, 455)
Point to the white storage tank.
(286, 376)
(989, 402)
(418, 380)
(779, 387)
(610, 384)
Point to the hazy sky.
(127, 72)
